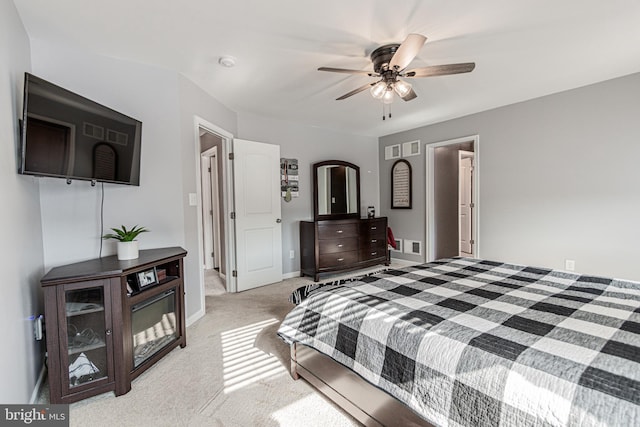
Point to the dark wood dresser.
(330, 246)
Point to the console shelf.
(109, 320)
(81, 312)
(88, 347)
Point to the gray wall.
(71, 213)
(166, 103)
(558, 179)
(309, 145)
(195, 102)
(21, 357)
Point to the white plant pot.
(127, 250)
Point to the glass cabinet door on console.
(85, 336)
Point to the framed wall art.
(401, 185)
(289, 179)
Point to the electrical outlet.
(569, 265)
(37, 327)
(292, 254)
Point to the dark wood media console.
(107, 321)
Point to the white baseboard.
(403, 262)
(38, 386)
(195, 317)
(291, 275)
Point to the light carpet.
(234, 371)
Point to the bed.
(464, 341)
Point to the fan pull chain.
(384, 113)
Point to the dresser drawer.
(337, 245)
(338, 259)
(366, 254)
(374, 228)
(366, 241)
(337, 231)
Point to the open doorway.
(211, 146)
(466, 207)
(248, 182)
(452, 198)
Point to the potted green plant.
(127, 245)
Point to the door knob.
(278, 220)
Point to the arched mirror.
(336, 190)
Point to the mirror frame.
(316, 215)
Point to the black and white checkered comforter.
(472, 342)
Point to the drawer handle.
(339, 231)
(374, 227)
(374, 253)
(340, 245)
(374, 240)
(340, 259)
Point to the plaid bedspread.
(467, 342)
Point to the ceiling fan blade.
(411, 95)
(344, 70)
(441, 70)
(353, 92)
(407, 51)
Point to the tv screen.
(68, 136)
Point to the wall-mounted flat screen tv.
(66, 135)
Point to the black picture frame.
(401, 185)
(147, 277)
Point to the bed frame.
(363, 401)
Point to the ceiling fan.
(390, 62)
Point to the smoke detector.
(227, 61)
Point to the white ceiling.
(522, 49)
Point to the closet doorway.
(452, 198)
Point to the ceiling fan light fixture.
(378, 90)
(390, 62)
(402, 88)
(387, 97)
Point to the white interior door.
(207, 228)
(215, 209)
(210, 209)
(465, 205)
(256, 173)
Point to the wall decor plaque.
(401, 185)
